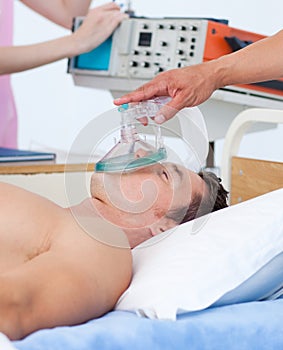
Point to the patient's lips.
(97, 187)
(141, 153)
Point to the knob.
(145, 64)
(133, 64)
(193, 28)
(163, 43)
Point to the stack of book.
(8, 155)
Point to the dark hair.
(200, 205)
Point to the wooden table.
(45, 167)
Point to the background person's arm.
(59, 11)
(190, 86)
(97, 27)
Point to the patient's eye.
(165, 175)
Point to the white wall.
(52, 110)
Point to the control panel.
(141, 48)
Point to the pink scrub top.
(8, 114)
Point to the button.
(182, 28)
(160, 26)
(192, 54)
(193, 28)
(135, 52)
(193, 40)
(133, 64)
(160, 69)
(145, 64)
(181, 39)
(163, 43)
(146, 53)
(170, 26)
(192, 47)
(179, 52)
(144, 26)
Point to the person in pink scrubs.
(99, 23)
(8, 114)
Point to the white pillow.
(194, 266)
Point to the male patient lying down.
(54, 272)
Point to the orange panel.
(217, 46)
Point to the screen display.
(145, 39)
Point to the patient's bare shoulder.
(105, 266)
(86, 279)
(70, 284)
(15, 195)
(6, 188)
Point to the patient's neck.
(90, 208)
(86, 208)
(94, 223)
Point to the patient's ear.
(162, 225)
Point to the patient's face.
(145, 195)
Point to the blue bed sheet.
(253, 325)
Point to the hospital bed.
(241, 325)
(247, 178)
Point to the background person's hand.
(97, 26)
(188, 87)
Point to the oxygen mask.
(132, 151)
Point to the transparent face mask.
(132, 152)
